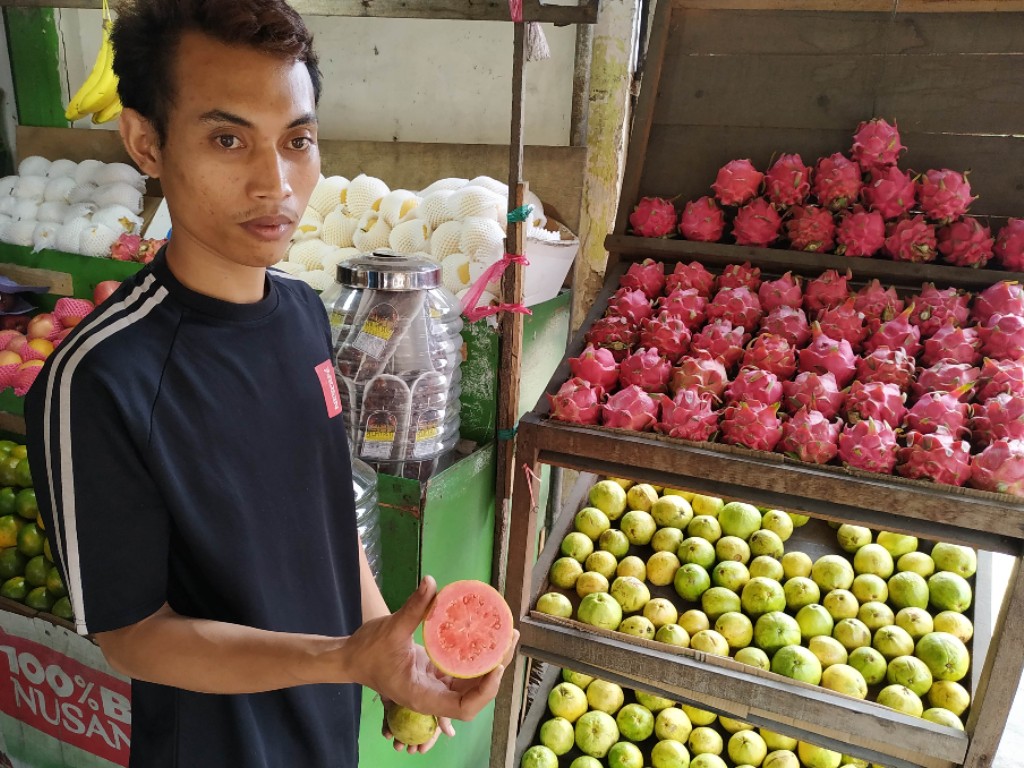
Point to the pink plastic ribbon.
(515, 7)
(492, 273)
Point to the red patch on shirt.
(329, 384)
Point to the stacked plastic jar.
(364, 486)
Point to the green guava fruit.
(596, 733)
(672, 512)
(798, 663)
(911, 672)
(870, 663)
(410, 727)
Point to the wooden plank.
(561, 525)
(59, 283)
(13, 423)
(73, 143)
(34, 48)
(864, 6)
(536, 712)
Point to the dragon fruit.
(898, 333)
(689, 416)
(811, 228)
(1000, 468)
(828, 355)
(827, 291)
(891, 192)
(740, 276)
(934, 308)
(757, 224)
(1009, 247)
(667, 333)
(951, 342)
(702, 220)
(740, 306)
(646, 369)
(789, 323)
(1000, 376)
(771, 353)
(869, 445)
(788, 181)
(1003, 298)
(693, 275)
(701, 373)
(752, 385)
(752, 425)
(1002, 337)
(876, 144)
(616, 334)
(785, 291)
(653, 217)
(809, 436)
(959, 378)
(815, 392)
(888, 366)
(937, 456)
(875, 400)
(944, 195)
(860, 233)
(844, 322)
(878, 304)
(998, 417)
(686, 304)
(631, 304)
(596, 365)
(577, 401)
(630, 408)
(738, 182)
(722, 341)
(939, 409)
(837, 182)
(647, 276)
(126, 247)
(912, 240)
(966, 243)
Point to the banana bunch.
(98, 94)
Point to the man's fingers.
(409, 616)
(446, 726)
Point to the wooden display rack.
(829, 65)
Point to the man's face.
(240, 159)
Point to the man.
(187, 453)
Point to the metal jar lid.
(389, 271)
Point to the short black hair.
(146, 35)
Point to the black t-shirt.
(190, 450)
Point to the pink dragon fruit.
(686, 304)
(788, 181)
(577, 401)
(653, 217)
(951, 342)
(702, 221)
(757, 224)
(667, 333)
(740, 276)
(898, 333)
(646, 369)
(878, 304)
(891, 192)
(997, 418)
(692, 275)
(811, 228)
(938, 456)
(701, 373)
(827, 291)
(869, 445)
(876, 144)
(722, 341)
(752, 425)
(1000, 468)
(771, 353)
(752, 385)
(912, 240)
(944, 195)
(596, 365)
(828, 355)
(1003, 298)
(647, 276)
(1002, 337)
(860, 233)
(875, 400)
(689, 416)
(934, 308)
(837, 182)
(738, 182)
(844, 322)
(740, 306)
(126, 247)
(616, 334)
(631, 304)
(966, 243)
(959, 378)
(939, 409)
(888, 366)
(1000, 376)
(785, 291)
(809, 436)
(1009, 247)
(789, 323)
(815, 392)
(631, 408)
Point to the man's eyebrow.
(307, 119)
(221, 116)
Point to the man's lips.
(270, 227)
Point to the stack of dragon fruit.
(929, 385)
(863, 205)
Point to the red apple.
(103, 290)
(17, 343)
(41, 326)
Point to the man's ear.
(142, 142)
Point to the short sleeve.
(96, 493)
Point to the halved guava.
(468, 629)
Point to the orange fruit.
(9, 527)
(42, 346)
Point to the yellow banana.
(104, 58)
(108, 113)
(105, 91)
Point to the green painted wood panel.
(35, 65)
